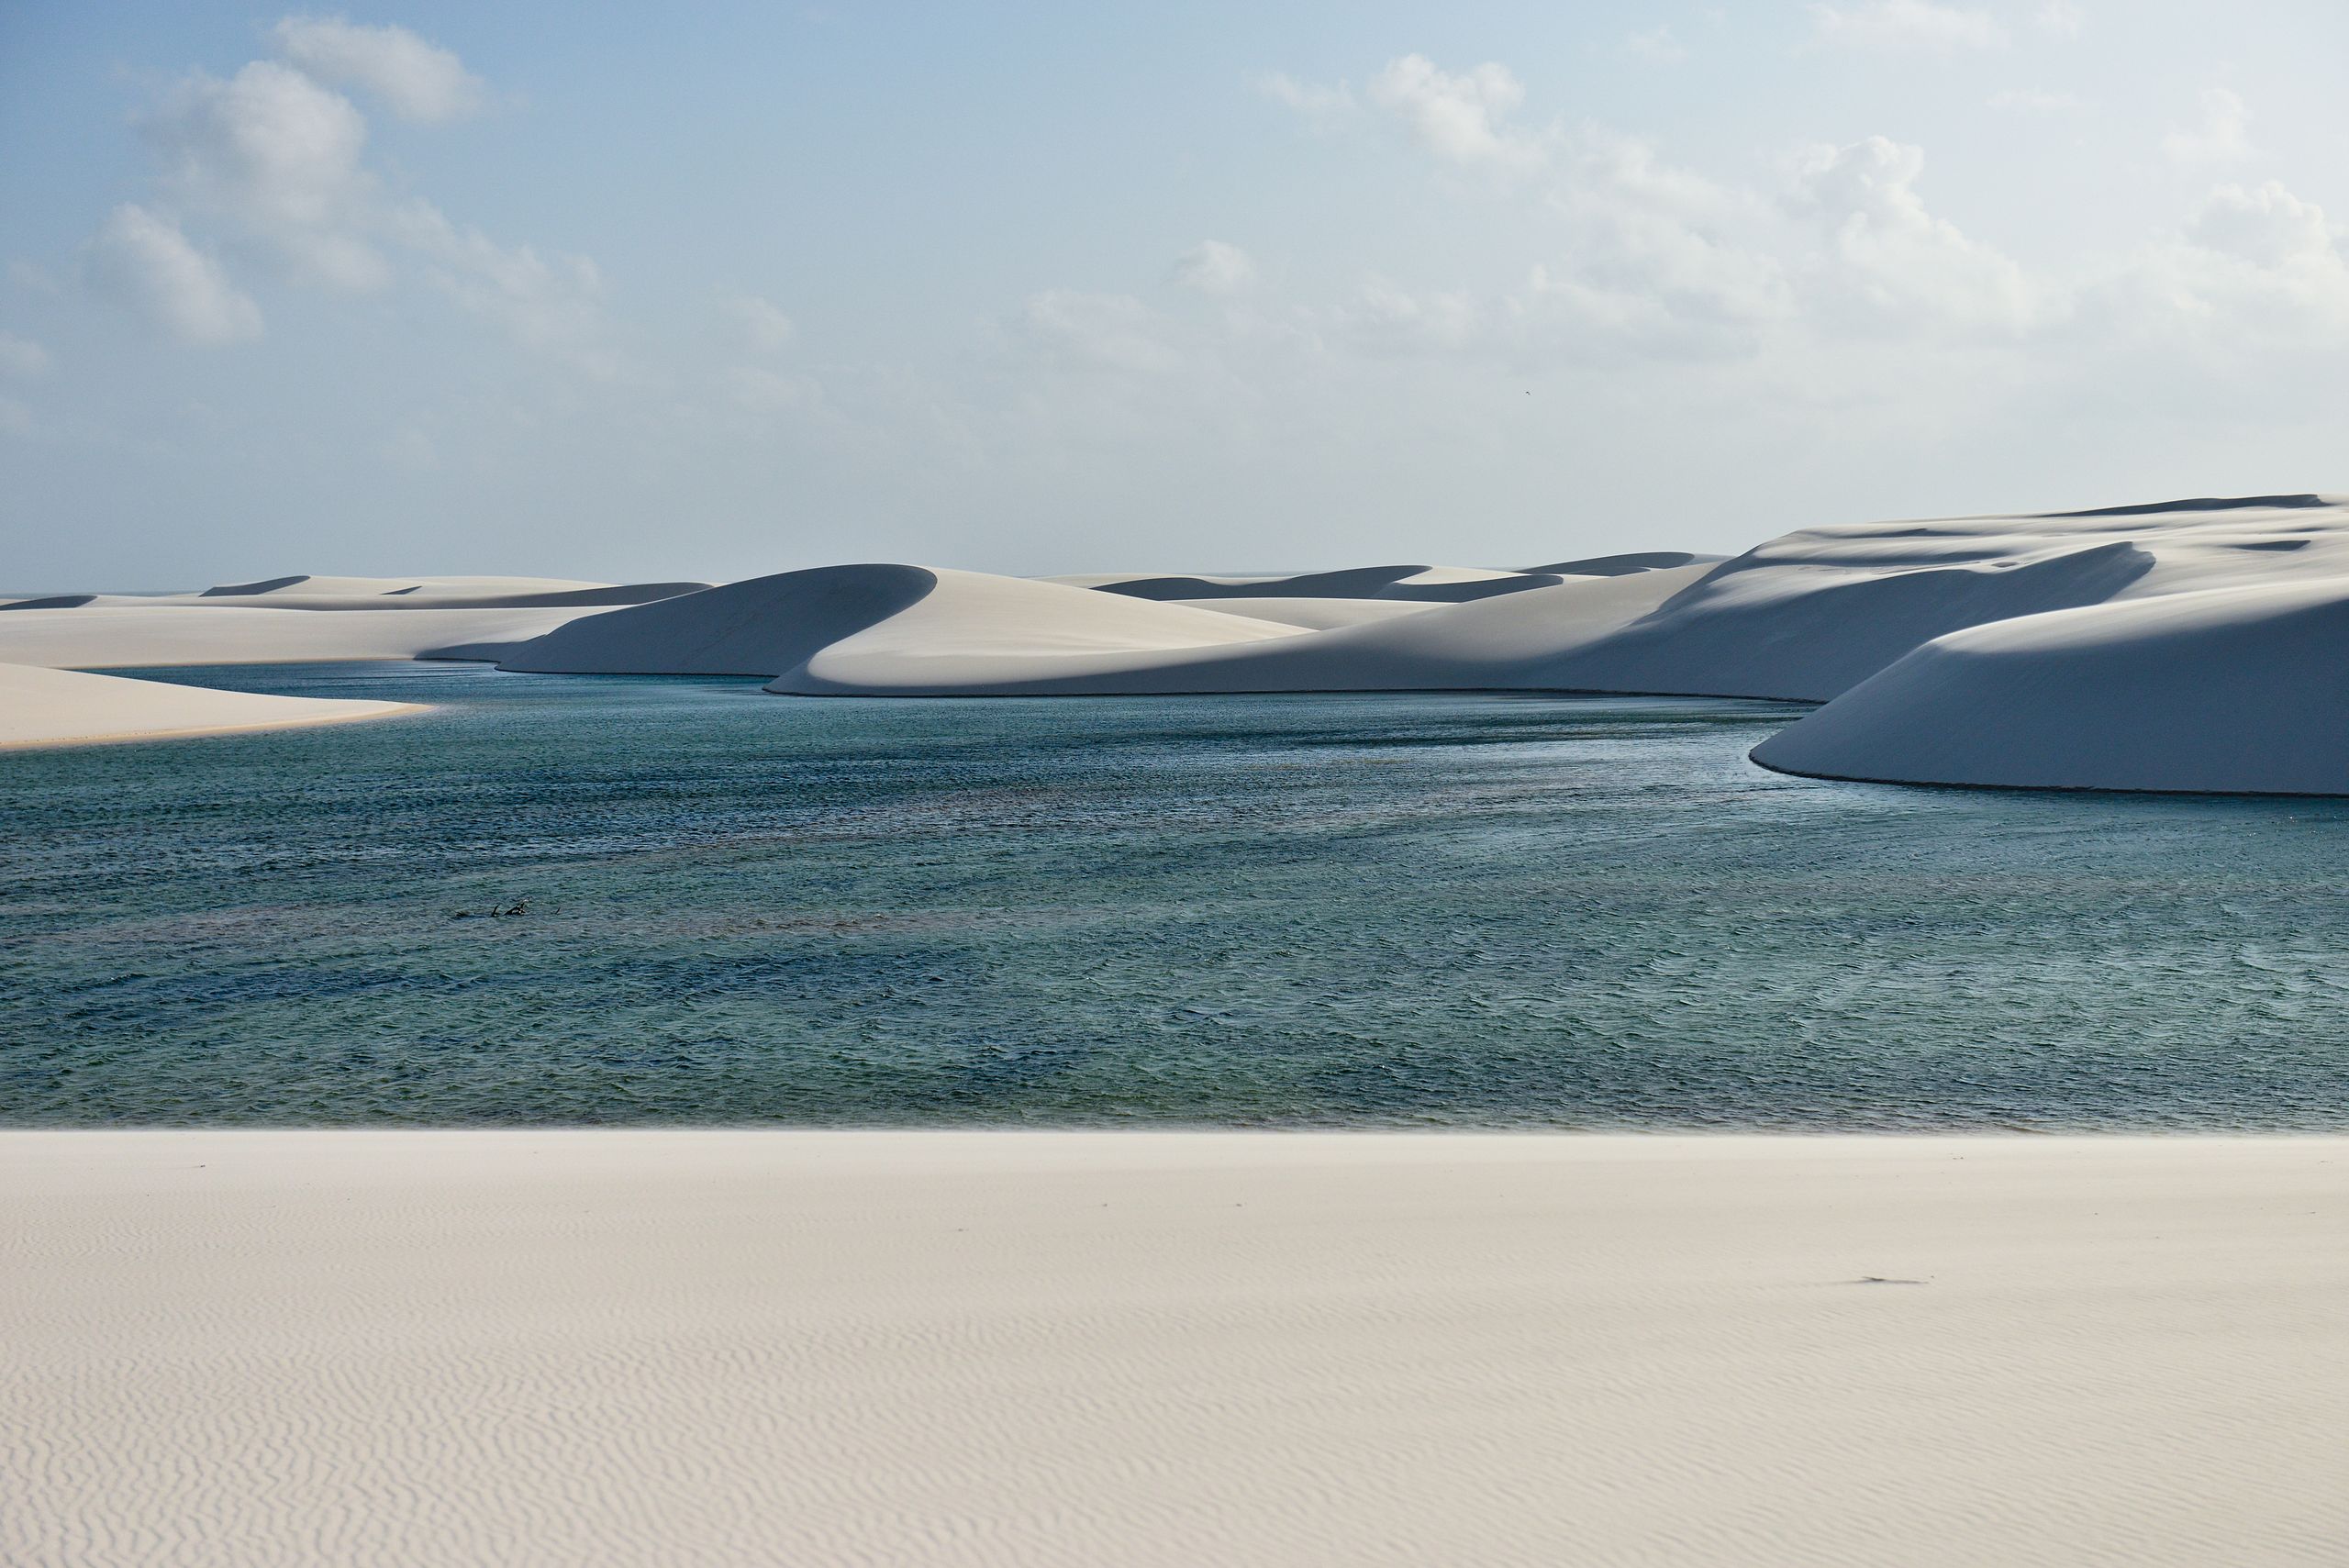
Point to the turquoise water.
(1471, 909)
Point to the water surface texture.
(1378, 910)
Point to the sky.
(709, 291)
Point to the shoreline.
(651, 1345)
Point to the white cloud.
(1906, 26)
(1323, 107)
(1660, 255)
(1891, 260)
(1659, 44)
(1212, 266)
(1459, 116)
(763, 325)
(2223, 136)
(2255, 271)
(2268, 227)
(1096, 331)
(2032, 101)
(146, 262)
(2059, 18)
(276, 161)
(279, 154)
(22, 357)
(548, 303)
(415, 80)
(1384, 318)
(763, 392)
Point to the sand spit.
(621, 1348)
(51, 707)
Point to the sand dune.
(117, 636)
(305, 618)
(1312, 613)
(2229, 689)
(965, 627)
(433, 593)
(378, 587)
(1806, 617)
(1423, 585)
(260, 1349)
(1620, 565)
(1809, 616)
(1507, 641)
(41, 707)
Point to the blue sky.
(600, 291)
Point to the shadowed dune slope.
(2233, 690)
(1754, 629)
(1810, 614)
(757, 627)
(1425, 585)
(1620, 565)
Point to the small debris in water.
(494, 912)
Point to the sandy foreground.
(690, 1347)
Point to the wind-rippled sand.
(691, 1347)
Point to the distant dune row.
(2185, 645)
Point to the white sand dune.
(2229, 689)
(1809, 616)
(1620, 565)
(435, 593)
(1423, 585)
(117, 636)
(42, 707)
(1511, 641)
(365, 593)
(1312, 613)
(250, 1350)
(305, 618)
(967, 628)
(356, 587)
